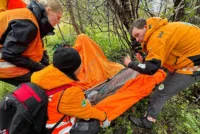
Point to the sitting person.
(21, 47)
(72, 101)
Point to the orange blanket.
(129, 94)
(95, 67)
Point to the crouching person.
(22, 50)
(71, 101)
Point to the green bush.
(5, 88)
(112, 48)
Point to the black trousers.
(172, 85)
(18, 80)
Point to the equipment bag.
(24, 111)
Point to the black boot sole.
(141, 126)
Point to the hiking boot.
(141, 122)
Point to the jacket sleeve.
(73, 103)
(16, 39)
(149, 67)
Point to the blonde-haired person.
(21, 48)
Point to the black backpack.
(24, 111)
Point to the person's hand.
(106, 123)
(139, 57)
(127, 60)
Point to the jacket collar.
(50, 77)
(153, 24)
(39, 11)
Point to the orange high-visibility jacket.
(175, 44)
(71, 102)
(34, 50)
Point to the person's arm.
(148, 67)
(73, 103)
(157, 52)
(16, 39)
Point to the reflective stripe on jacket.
(63, 127)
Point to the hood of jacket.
(40, 13)
(50, 77)
(153, 24)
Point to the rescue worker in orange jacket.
(21, 47)
(173, 45)
(72, 101)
